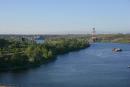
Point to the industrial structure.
(94, 38)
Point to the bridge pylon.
(93, 37)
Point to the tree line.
(20, 54)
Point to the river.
(96, 66)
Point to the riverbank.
(114, 38)
(15, 55)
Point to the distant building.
(39, 39)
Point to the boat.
(117, 49)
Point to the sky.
(64, 16)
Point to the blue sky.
(64, 16)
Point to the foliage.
(116, 38)
(3, 43)
(20, 54)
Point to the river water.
(96, 66)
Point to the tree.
(18, 59)
(34, 54)
(3, 43)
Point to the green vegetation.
(115, 38)
(20, 54)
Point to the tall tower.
(94, 38)
(94, 33)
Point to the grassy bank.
(115, 38)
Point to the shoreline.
(31, 66)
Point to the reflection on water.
(96, 66)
